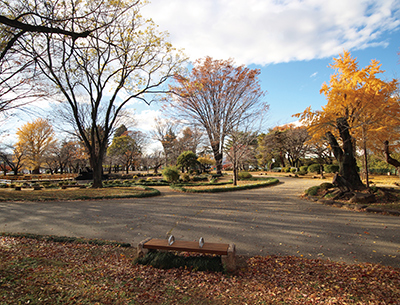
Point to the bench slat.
(187, 246)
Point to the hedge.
(271, 181)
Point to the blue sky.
(291, 41)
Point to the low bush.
(331, 168)
(171, 174)
(244, 175)
(185, 177)
(169, 260)
(293, 170)
(302, 173)
(314, 168)
(304, 168)
(313, 191)
(326, 185)
(199, 178)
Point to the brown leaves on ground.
(43, 272)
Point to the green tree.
(187, 160)
(127, 148)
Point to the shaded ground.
(272, 220)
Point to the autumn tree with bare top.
(360, 113)
(218, 96)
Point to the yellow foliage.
(369, 103)
(34, 140)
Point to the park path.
(265, 221)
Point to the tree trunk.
(218, 158)
(389, 159)
(235, 175)
(347, 162)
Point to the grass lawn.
(34, 271)
(9, 194)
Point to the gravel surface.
(271, 220)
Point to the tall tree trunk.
(235, 175)
(349, 177)
(389, 159)
(218, 158)
(365, 159)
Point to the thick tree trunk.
(218, 158)
(389, 159)
(347, 162)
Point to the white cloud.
(273, 31)
(145, 119)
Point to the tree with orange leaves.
(219, 97)
(361, 109)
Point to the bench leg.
(230, 260)
(140, 250)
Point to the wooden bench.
(227, 251)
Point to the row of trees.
(95, 57)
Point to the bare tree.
(218, 96)
(125, 60)
(12, 157)
(240, 146)
(165, 131)
(20, 82)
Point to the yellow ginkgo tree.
(360, 114)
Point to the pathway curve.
(272, 220)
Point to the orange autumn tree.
(356, 116)
(219, 97)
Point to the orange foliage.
(369, 103)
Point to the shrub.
(185, 177)
(286, 170)
(293, 170)
(134, 177)
(149, 179)
(244, 175)
(199, 178)
(168, 260)
(304, 168)
(326, 185)
(302, 173)
(312, 191)
(331, 168)
(314, 168)
(171, 174)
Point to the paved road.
(272, 220)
